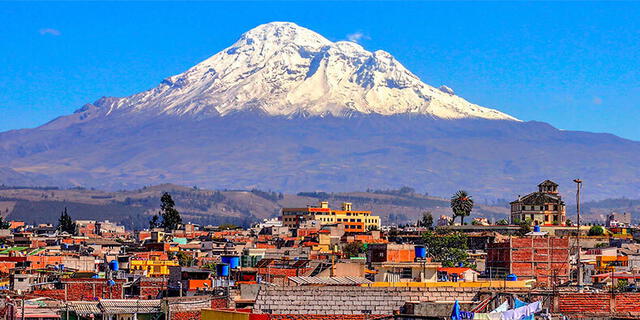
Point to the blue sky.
(574, 65)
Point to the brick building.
(189, 308)
(83, 289)
(150, 288)
(600, 305)
(541, 258)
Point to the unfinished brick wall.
(150, 288)
(185, 315)
(600, 304)
(189, 308)
(56, 294)
(346, 300)
(324, 317)
(89, 289)
(541, 258)
(219, 303)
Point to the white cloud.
(597, 100)
(50, 31)
(357, 36)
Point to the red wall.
(599, 303)
(88, 289)
(151, 287)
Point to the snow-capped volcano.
(283, 69)
(280, 80)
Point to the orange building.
(41, 262)
(391, 252)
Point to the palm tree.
(461, 205)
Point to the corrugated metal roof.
(329, 281)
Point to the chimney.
(324, 204)
(346, 206)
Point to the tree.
(426, 221)
(502, 222)
(65, 223)
(184, 259)
(154, 222)
(461, 205)
(4, 224)
(449, 249)
(353, 249)
(406, 190)
(525, 227)
(211, 266)
(170, 216)
(227, 226)
(596, 231)
(569, 223)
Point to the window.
(406, 273)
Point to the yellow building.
(353, 220)
(611, 263)
(153, 268)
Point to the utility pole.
(579, 264)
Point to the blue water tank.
(111, 283)
(222, 270)
(114, 265)
(232, 261)
(536, 228)
(421, 251)
(512, 277)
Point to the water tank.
(222, 270)
(232, 261)
(421, 251)
(114, 265)
(536, 228)
(111, 283)
(512, 277)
